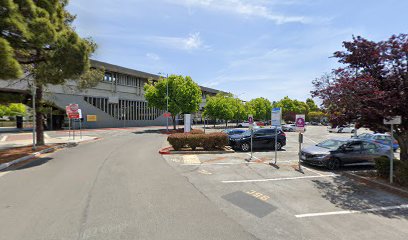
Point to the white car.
(245, 124)
(289, 128)
(342, 129)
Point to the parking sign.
(276, 117)
(300, 123)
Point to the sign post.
(300, 127)
(187, 123)
(73, 112)
(394, 120)
(251, 126)
(276, 122)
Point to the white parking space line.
(205, 164)
(313, 171)
(3, 139)
(309, 139)
(277, 179)
(253, 156)
(352, 211)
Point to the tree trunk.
(39, 118)
(174, 122)
(403, 144)
(226, 123)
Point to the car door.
(351, 153)
(269, 138)
(258, 138)
(369, 152)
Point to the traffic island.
(370, 178)
(11, 156)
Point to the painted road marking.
(313, 171)
(310, 139)
(3, 139)
(277, 179)
(258, 195)
(352, 211)
(253, 156)
(204, 172)
(231, 163)
(191, 159)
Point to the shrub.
(195, 140)
(178, 140)
(197, 131)
(401, 173)
(382, 164)
(210, 141)
(214, 141)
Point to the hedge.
(382, 164)
(192, 140)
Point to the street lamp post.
(167, 99)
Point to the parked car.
(261, 124)
(380, 138)
(336, 152)
(245, 124)
(263, 138)
(289, 127)
(342, 129)
(233, 131)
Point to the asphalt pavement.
(115, 188)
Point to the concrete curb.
(25, 158)
(168, 150)
(383, 186)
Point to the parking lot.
(280, 202)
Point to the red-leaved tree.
(372, 85)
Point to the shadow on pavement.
(348, 194)
(148, 131)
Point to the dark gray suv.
(336, 152)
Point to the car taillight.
(395, 142)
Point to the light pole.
(167, 99)
(34, 90)
(237, 97)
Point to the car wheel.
(333, 164)
(353, 131)
(240, 126)
(245, 147)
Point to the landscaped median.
(9, 157)
(197, 141)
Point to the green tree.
(184, 95)
(260, 108)
(316, 116)
(312, 105)
(221, 106)
(17, 109)
(37, 39)
(241, 112)
(291, 107)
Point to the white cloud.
(191, 42)
(247, 8)
(153, 56)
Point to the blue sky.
(252, 48)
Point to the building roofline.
(116, 68)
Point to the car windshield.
(247, 133)
(331, 144)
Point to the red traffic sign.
(167, 114)
(73, 115)
(73, 107)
